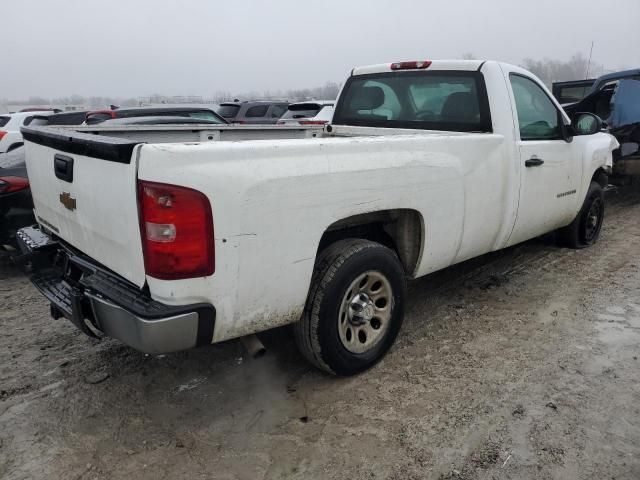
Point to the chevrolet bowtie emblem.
(68, 201)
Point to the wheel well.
(402, 230)
(13, 146)
(601, 177)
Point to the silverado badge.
(68, 201)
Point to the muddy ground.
(520, 365)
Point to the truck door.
(552, 167)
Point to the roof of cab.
(464, 65)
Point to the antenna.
(589, 64)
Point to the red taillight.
(411, 65)
(2, 134)
(177, 231)
(13, 184)
(313, 122)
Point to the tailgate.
(84, 190)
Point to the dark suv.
(261, 112)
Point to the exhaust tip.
(254, 346)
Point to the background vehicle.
(162, 120)
(615, 98)
(202, 113)
(258, 112)
(575, 90)
(572, 91)
(425, 165)
(67, 118)
(10, 136)
(304, 112)
(16, 206)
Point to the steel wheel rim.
(365, 312)
(594, 220)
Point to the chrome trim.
(156, 336)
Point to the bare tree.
(550, 71)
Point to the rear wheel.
(355, 307)
(585, 228)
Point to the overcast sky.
(138, 47)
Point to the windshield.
(452, 101)
(4, 121)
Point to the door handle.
(533, 162)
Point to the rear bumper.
(96, 299)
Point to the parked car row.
(15, 206)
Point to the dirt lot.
(523, 364)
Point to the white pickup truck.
(171, 237)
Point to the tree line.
(548, 70)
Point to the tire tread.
(327, 265)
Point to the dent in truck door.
(550, 166)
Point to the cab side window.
(257, 111)
(538, 117)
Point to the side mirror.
(586, 123)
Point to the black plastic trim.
(105, 148)
(62, 275)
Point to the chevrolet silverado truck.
(172, 237)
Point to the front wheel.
(354, 309)
(585, 228)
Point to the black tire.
(585, 228)
(318, 333)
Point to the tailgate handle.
(63, 167)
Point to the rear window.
(93, 118)
(4, 121)
(305, 110)
(36, 121)
(439, 100)
(278, 110)
(228, 111)
(573, 93)
(257, 111)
